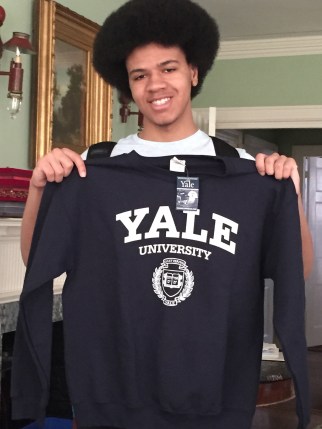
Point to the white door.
(312, 197)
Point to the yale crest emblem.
(172, 281)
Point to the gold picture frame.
(72, 114)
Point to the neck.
(167, 133)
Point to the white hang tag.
(178, 165)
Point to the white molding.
(273, 117)
(12, 269)
(201, 116)
(273, 47)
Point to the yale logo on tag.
(187, 193)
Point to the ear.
(194, 75)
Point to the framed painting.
(72, 104)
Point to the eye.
(169, 70)
(139, 77)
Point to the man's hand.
(56, 165)
(279, 166)
(52, 167)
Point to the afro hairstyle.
(137, 23)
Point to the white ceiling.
(255, 19)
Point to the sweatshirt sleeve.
(49, 257)
(285, 266)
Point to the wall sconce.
(19, 43)
(125, 111)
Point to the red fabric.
(14, 184)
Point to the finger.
(55, 166)
(260, 163)
(63, 161)
(271, 162)
(77, 160)
(42, 173)
(288, 168)
(284, 167)
(280, 166)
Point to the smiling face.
(160, 81)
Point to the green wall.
(247, 82)
(278, 81)
(15, 134)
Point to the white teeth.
(162, 101)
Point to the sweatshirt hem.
(123, 417)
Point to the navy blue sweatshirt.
(162, 308)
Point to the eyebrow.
(164, 63)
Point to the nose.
(156, 82)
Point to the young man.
(161, 69)
(185, 350)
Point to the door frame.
(263, 117)
(300, 151)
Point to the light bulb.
(15, 105)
